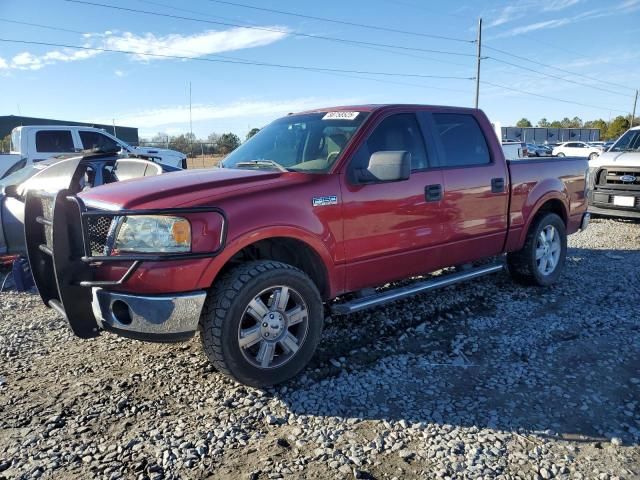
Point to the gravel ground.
(484, 380)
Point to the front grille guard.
(57, 231)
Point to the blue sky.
(598, 40)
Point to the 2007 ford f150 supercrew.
(318, 205)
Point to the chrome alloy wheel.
(548, 248)
(273, 327)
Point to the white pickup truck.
(39, 142)
(614, 178)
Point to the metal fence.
(191, 149)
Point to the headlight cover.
(152, 234)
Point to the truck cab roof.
(383, 106)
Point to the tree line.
(189, 144)
(608, 130)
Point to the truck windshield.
(629, 142)
(308, 142)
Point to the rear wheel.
(593, 156)
(541, 260)
(262, 323)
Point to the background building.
(550, 135)
(9, 122)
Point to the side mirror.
(392, 166)
(10, 191)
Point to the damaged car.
(78, 173)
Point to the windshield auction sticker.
(341, 116)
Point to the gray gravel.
(484, 380)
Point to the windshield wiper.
(261, 163)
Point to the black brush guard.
(61, 247)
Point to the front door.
(392, 230)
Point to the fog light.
(121, 313)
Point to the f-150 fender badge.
(323, 201)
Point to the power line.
(421, 7)
(556, 76)
(394, 52)
(535, 62)
(17, 22)
(252, 27)
(378, 80)
(50, 27)
(342, 22)
(524, 92)
(412, 55)
(236, 62)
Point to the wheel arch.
(286, 244)
(553, 202)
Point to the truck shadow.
(559, 361)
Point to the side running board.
(408, 291)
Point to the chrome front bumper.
(160, 318)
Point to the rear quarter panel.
(535, 182)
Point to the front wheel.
(262, 323)
(541, 260)
(593, 156)
(560, 154)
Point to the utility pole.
(190, 123)
(479, 41)
(633, 115)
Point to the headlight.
(153, 234)
(590, 179)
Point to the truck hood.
(160, 152)
(179, 189)
(623, 159)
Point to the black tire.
(227, 309)
(593, 156)
(560, 155)
(523, 265)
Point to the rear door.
(392, 230)
(574, 149)
(50, 143)
(92, 140)
(476, 198)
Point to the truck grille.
(611, 177)
(98, 228)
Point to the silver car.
(75, 174)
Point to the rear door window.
(98, 141)
(54, 141)
(462, 140)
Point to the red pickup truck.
(318, 205)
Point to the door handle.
(497, 185)
(433, 193)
